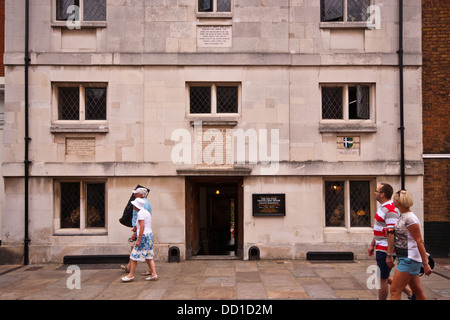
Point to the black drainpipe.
(27, 138)
(400, 62)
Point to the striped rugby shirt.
(386, 217)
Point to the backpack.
(127, 215)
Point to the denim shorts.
(408, 265)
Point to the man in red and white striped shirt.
(385, 218)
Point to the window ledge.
(83, 24)
(78, 232)
(214, 15)
(344, 25)
(348, 127)
(79, 128)
(214, 122)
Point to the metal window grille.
(223, 5)
(94, 10)
(62, 6)
(357, 10)
(70, 205)
(334, 204)
(332, 103)
(95, 210)
(205, 5)
(95, 103)
(332, 10)
(200, 99)
(227, 99)
(360, 203)
(68, 103)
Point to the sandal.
(146, 273)
(126, 279)
(125, 268)
(155, 277)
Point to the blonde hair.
(404, 198)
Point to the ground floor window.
(348, 203)
(82, 204)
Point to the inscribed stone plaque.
(80, 146)
(348, 145)
(214, 36)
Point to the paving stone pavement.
(209, 280)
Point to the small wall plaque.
(269, 205)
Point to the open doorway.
(214, 217)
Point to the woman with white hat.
(143, 249)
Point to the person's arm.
(415, 233)
(390, 249)
(141, 232)
(371, 250)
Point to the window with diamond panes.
(95, 103)
(347, 203)
(68, 103)
(360, 203)
(227, 99)
(82, 212)
(332, 102)
(94, 10)
(95, 211)
(62, 6)
(214, 5)
(334, 10)
(357, 10)
(70, 205)
(334, 204)
(200, 99)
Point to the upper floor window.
(214, 5)
(215, 98)
(344, 10)
(80, 10)
(81, 102)
(346, 102)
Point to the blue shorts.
(408, 265)
(384, 269)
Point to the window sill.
(344, 25)
(214, 15)
(79, 128)
(83, 25)
(78, 232)
(214, 122)
(348, 127)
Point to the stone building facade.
(259, 126)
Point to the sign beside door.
(269, 204)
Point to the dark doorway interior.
(214, 213)
(217, 219)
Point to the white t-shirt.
(147, 217)
(405, 245)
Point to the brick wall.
(436, 129)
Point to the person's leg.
(416, 287)
(152, 267)
(384, 273)
(130, 275)
(401, 279)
